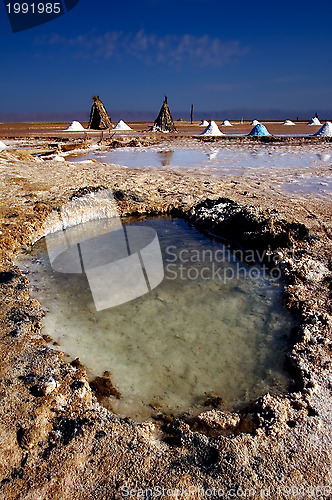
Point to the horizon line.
(147, 115)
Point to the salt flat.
(56, 436)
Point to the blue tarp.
(259, 130)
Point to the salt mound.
(254, 123)
(226, 123)
(121, 125)
(212, 130)
(3, 146)
(204, 123)
(75, 127)
(288, 122)
(259, 131)
(326, 130)
(314, 121)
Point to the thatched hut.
(99, 118)
(164, 121)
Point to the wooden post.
(192, 114)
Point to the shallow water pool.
(235, 160)
(214, 328)
(306, 185)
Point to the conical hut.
(164, 121)
(99, 118)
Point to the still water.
(214, 327)
(234, 159)
(296, 168)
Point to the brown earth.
(58, 442)
(183, 127)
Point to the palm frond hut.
(164, 121)
(99, 118)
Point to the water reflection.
(165, 157)
(215, 159)
(311, 185)
(212, 154)
(324, 156)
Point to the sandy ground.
(56, 439)
(183, 128)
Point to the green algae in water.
(213, 328)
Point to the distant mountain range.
(136, 116)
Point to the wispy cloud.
(150, 49)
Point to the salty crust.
(58, 442)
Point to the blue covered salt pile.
(259, 131)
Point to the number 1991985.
(34, 8)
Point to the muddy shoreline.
(57, 441)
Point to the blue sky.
(217, 55)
